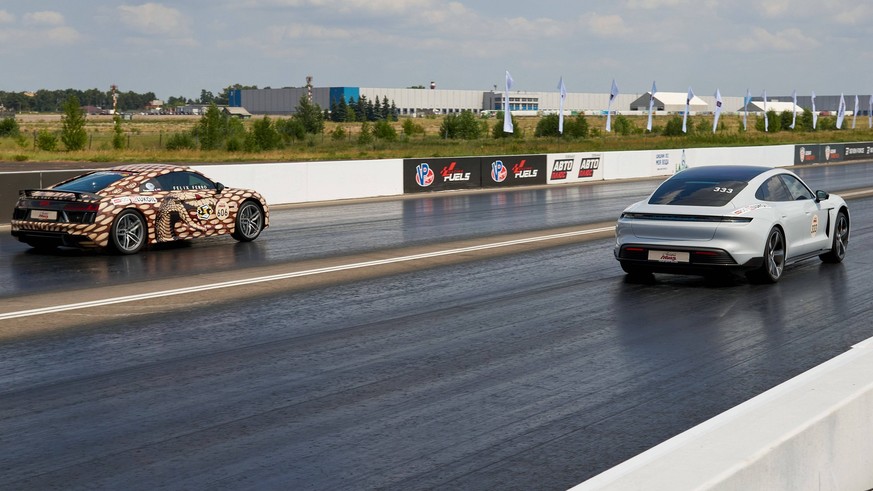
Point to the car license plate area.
(46, 215)
(669, 256)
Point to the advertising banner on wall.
(858, 151)
(441, 174)
(514, 170)
(574, 167)
(826, 154)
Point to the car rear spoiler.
(58, 195)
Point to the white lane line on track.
(296, 274)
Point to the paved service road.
(527, 369)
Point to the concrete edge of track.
(811, 432)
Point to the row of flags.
(613, 93)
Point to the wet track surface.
(530, 371)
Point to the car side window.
(150, 186)
(797, 189)
(773, 189)
(184, 181)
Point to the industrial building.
(421, 101)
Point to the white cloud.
(6, 17)
(44, 18)
(607, 25)
(760, 39)
(655, 4)
(152, 18)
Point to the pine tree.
(73, 128)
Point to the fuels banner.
(441, 174)
(513, 170)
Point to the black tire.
(249, 222)
(128, 233)
(774, 259)
(841, 240)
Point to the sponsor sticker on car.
(669, 256)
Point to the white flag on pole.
(841, 112)
(718, 104)
(563, 91)
(613, 92)
(687, 109)
(766, 122)
(855, 113)
(746, 101)
(507, 116)
(793, 108)
(651, 106)
(814, 113)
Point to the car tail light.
(85, 207)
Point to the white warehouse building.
(420, 102)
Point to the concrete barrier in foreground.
(812, 432)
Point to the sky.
(180, 48)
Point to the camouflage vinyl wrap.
(170, 215)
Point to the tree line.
(363, 109)
(52, 101)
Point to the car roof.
(153, 169)
(743, 173)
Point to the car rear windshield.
(696, 191)
(91, 183)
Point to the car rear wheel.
(128, 234)
(841, 240)
(249, 222)
(774, 259)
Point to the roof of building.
(779, 107)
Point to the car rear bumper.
(692, 260)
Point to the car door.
(188, 209)
(812, 219)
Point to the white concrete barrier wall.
(813, 432)
(299, 182)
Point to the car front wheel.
(128, 234)
(249, 222)
(841, 240)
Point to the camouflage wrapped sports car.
(127, 207)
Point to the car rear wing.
(57, 195)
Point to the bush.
(263, 136)
(118, 134)
(9, 127)
(291, 129)
(233, 144)
(338, 133)
(181, 141)
(548, 126)
(384, 131)
(576, 127)
(46, 141)
(411, 128)
(673, 127)
(774, 123)
(623, 125)
(366, 135)
(73, 125)
(461, 126)
(497, 129)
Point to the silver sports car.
(709, 219)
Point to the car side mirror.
(821, 195)
(219, 187)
